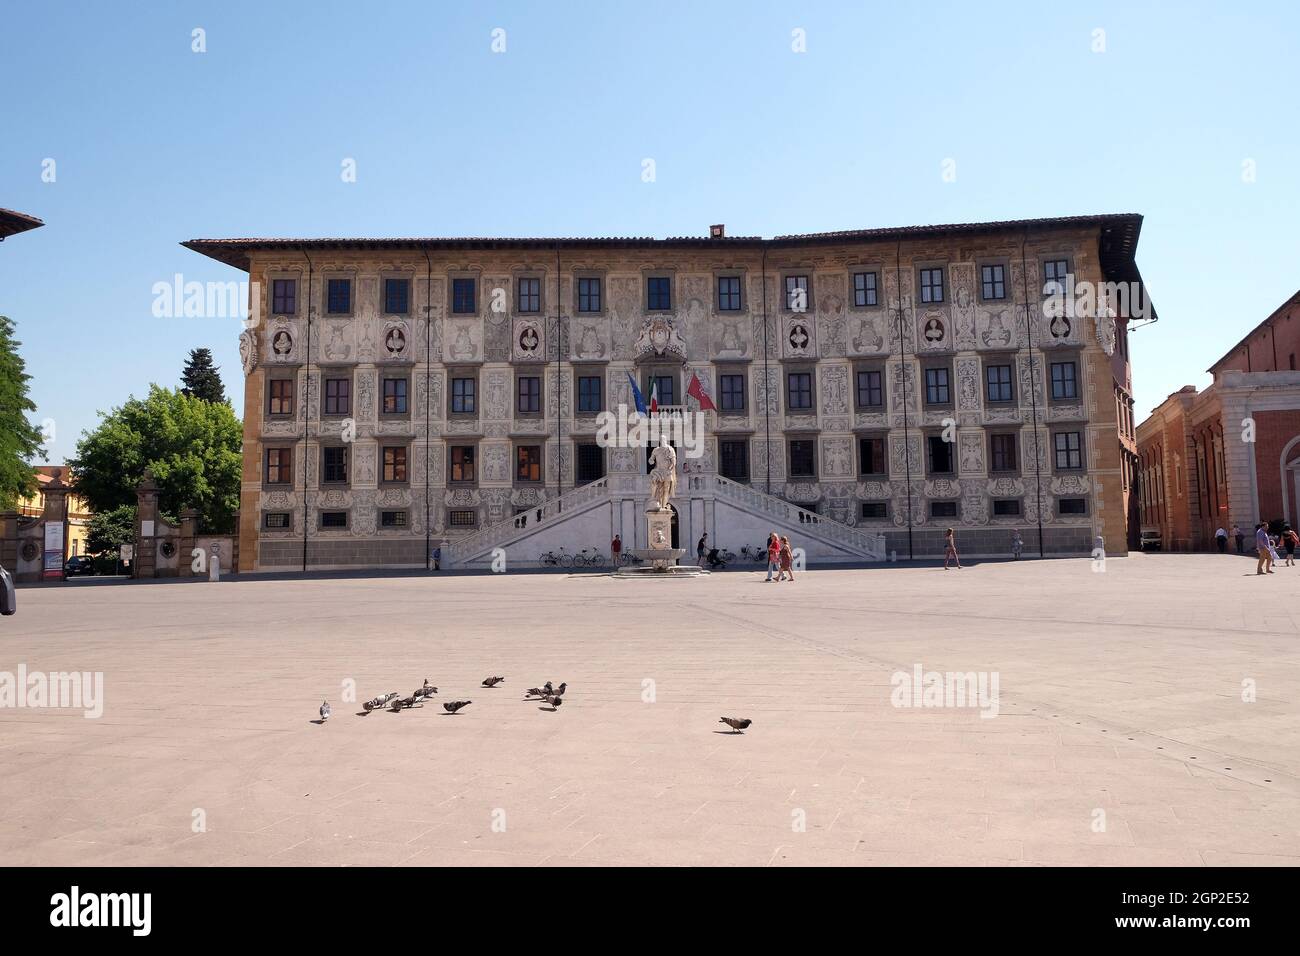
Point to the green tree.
(201, 377)
(192, 448)
(20, 440)
(109, 530)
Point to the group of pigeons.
(554, 696)
(396, 703)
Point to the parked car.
(1150, 540)
(8, 597)
(78, 564)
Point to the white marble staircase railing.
(464, 548)
(864, 542)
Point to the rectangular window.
(397, 296)
(279, 466)
(1065, 383)
(658, 293)
(462, 463)
(871, 456)
(864, 289)
(529, 389)
(276, 520)
(666, 387)
(729, 293)
(281, 397)
(1072, 506)
(462, 519)
(335, 464)
(734, 459)
(943, 509)
(589, 294)
(395, 463)
(528, 295)
(284, 296)
(940, 453)
(338, 396)
(875, 510)
(732, 392)
(333, 519)
(803, 458)
(931, 285)
(589, 394)
(591, 463)
(394, 396)
(796, 293)
(993, 282)
(339, 296)
(799, 390)
(997, 379)
(528, 463)
(462, 396)
(1069, 450)
(1006, 507)
(937, 391)
(1002, 452)
(1054, 277)
(462, 296)
(392, 519)
(871, 393)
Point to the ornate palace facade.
(871, 388)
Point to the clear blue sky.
(155, 144)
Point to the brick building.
(871, 388)
(1231, 453)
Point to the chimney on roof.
(718, 231)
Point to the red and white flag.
(700, 392)
(654, 396)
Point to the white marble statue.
(663, 474)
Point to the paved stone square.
(1121, 736)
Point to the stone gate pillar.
(145, 564)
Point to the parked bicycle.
(727, 556)
(551, 559)
(588, 557)
(628, 558)
(757, 555)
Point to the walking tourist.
(616, 548)
(1221, 538)
(702, 548)
(787, 560)
(1241, 539)
(950, 550)
(1263, 546)
(773, 554)
(1017, 544)
(1289, 541)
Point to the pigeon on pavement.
(737, 724)
(492, 681)
(452, 706)
(324, 710)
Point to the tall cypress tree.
(201, 379)
(20, 440)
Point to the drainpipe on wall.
(1033, 392)
(902, 368)
(306, 406)
(428, 392)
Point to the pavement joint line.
(1212, 760)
